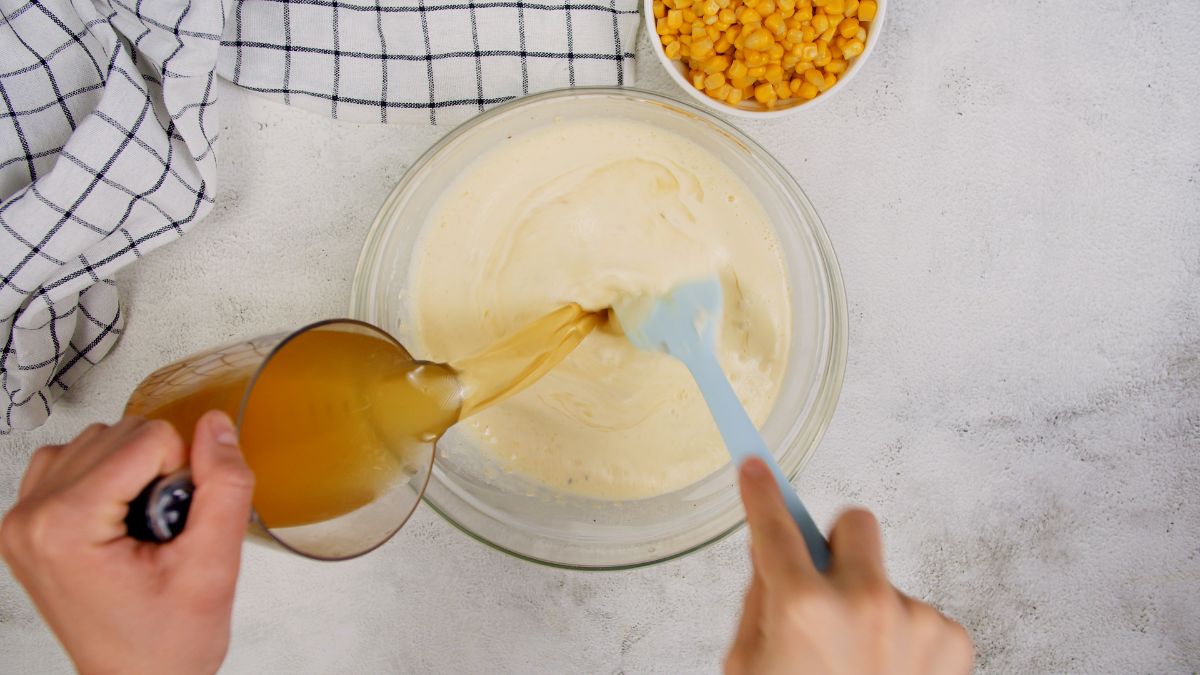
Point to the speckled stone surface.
(1013, 190)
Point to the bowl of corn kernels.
(763, 58)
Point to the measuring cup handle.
(159, 512)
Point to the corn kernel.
(867, 9)
(736, 70)
(815, 77)
(749, 16)
(714, 81)
(689, 16)
(710, 8)
(742, 82)
(820, 23)
(835, 6)
(702, 48)
(726, 16)
(712, 33)
(809, 52)
(774, 24)
(722, 46)
(820, 3)
(673, 50)
(775, 53)
(853, 48)
(848, 28)
(823, 55)
(851, 7)
(766, 95)
(794, 36)
(734, 97)
(830, 80)
(861, 35)
(773, 73)
(698, 79)
(782, 90)
(836, 66)
(827, 36)
(759, 40)
(660, 10)
(808, 90)
(715, 64)
(765, 7)
(757, 72)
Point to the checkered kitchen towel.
(108, 127)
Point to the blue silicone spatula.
(683, 323)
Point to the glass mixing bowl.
(534, 522)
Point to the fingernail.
(755, 468)
(223, 430)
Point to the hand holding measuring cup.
(338, 422)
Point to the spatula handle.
(744, 441)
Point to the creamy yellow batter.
(585, 211)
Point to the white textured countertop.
(1013, 190)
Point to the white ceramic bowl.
(754, 109)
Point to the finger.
(92, 445)
(151, 449)
(212, 539)
(87, 436)
(955, 652)
(749, 633)
(43, 458)
(777, 547)
(944, 642)
(857, 549)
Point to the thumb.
(212, 539)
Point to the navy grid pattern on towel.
(428, 61)
(108, 127)
(107, 136)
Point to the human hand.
(115, 603)
(849, 620)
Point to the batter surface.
(585, 211)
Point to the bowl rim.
(673, 71)
(831, 381)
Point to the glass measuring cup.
(338, 423)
